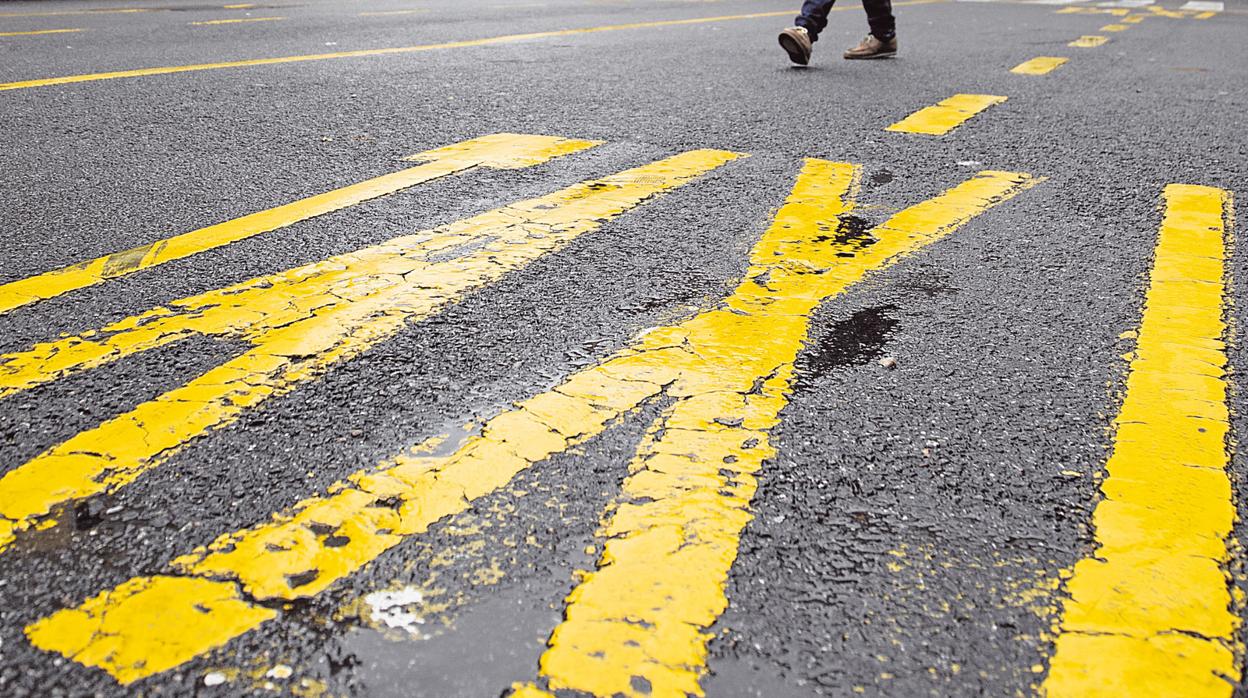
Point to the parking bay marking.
(299, 323)
(498, 151)
(727, 369)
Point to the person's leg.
(814, 16)
(880, 18)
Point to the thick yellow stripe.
(291, 556)
(1038, 66)
(1150, 613)
(235, 21)
(945, 115)
(507, 38)
(41, 31)
(673, 536)
(503, 150)
(1088, 41)
(385, 287)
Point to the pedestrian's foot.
(796, 41)
(872, 47)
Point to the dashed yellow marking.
(1133, 19)
(1089, 41)
(945, 115)
(507, 38)
(41, 31)
(1115, 28)
(240, 20)
(1038, 66)
(1150, 613)
(709, 364)
(500, 151)
(299, 323)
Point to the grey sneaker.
(796, 41)
(872, 47)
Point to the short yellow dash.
(499, 151)
(1115, 28)
(488, 41)
(1151, 611)
(945, 115)
(299, 323)
(708, 364)
(1205, 15)
(1088, 41)
(41, 31)
(1133, 19)
(236, 21)
(1038, 66)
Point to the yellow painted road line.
(1038, 66)
(945, 115)
(1119, 12)
(489, 41)
(1089, 41)
(41, 31)
(372, 296)
(1133, 19)
(1150, 612)
(673, 533)
(1115, 28)
(235, 21)
(499, 151)
(148, 621)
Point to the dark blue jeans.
(879, 17)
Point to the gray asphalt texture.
(910, 514)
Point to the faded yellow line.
(1038, 66)
(300, 323)
(500, 151)
(150, 626)
(1115, 28)
(1151, 610)
(1133, 19)
(507, 38)
(235, 21)
(41, 31)
(1089, 41)
(945, 115)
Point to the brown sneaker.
(796, 42)
(872, 47)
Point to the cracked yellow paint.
(945, 115)
(1151, 612)
(291, 557)
(1089, 41)
(498, 151)
(299, 323)
(1038, 66)
(637, 625)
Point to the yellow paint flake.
(945, 115)
(1152, 611)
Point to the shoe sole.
(888, 54)
(794, 49)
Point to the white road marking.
(1204, 6)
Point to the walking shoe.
(872, 47)
(796, 41)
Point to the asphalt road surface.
(663, 368)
